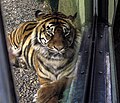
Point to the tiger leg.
(15, 59)
(52, 91)
(18, 62)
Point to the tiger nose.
(59, 48)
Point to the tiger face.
(55, 39)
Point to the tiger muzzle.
(57, 42)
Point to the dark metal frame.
(95, 81)
(116, 40)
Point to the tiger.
(50, 46)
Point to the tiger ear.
(39, 14)
(72, 18)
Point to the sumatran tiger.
(50, 46)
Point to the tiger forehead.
(56, 19)
(57, 22)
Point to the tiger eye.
(48, 27)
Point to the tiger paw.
(21, 63)
(47, 94)
(53, 91)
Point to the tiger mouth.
(53, 55)
(57, 55)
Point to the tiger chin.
(50, 46)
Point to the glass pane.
(44, 47)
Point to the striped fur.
(49, 45)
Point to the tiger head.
(55, 36)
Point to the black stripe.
(44, 78)
(30, 28)
(16, 36)
(27, 51)
(25, 38)
(32, 59)
(54, 18)
(35, 37)
(47, 16)
(42, 72)
(46, 68)
(14, 39)
(71, 71)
